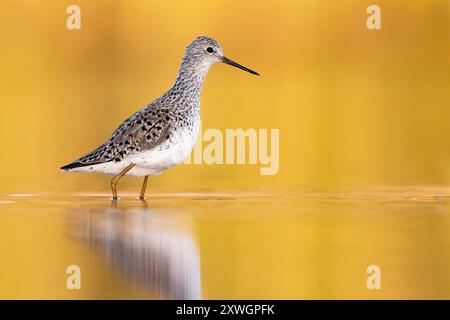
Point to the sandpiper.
(163, 133)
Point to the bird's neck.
(189, 81)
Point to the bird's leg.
(116, 178)
(144, 187)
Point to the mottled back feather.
(144, 130)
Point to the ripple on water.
(7, 201)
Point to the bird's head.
(205, 51)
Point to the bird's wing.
(144, 130)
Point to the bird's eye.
(209, 50)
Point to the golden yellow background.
(356, 109)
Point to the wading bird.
(162, 134)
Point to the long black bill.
(237, 65)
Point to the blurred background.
(355, 107)
(357, 110)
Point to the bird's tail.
(73, 165)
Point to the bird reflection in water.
(150, 246)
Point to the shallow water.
(297, 245)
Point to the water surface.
(297, 245)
